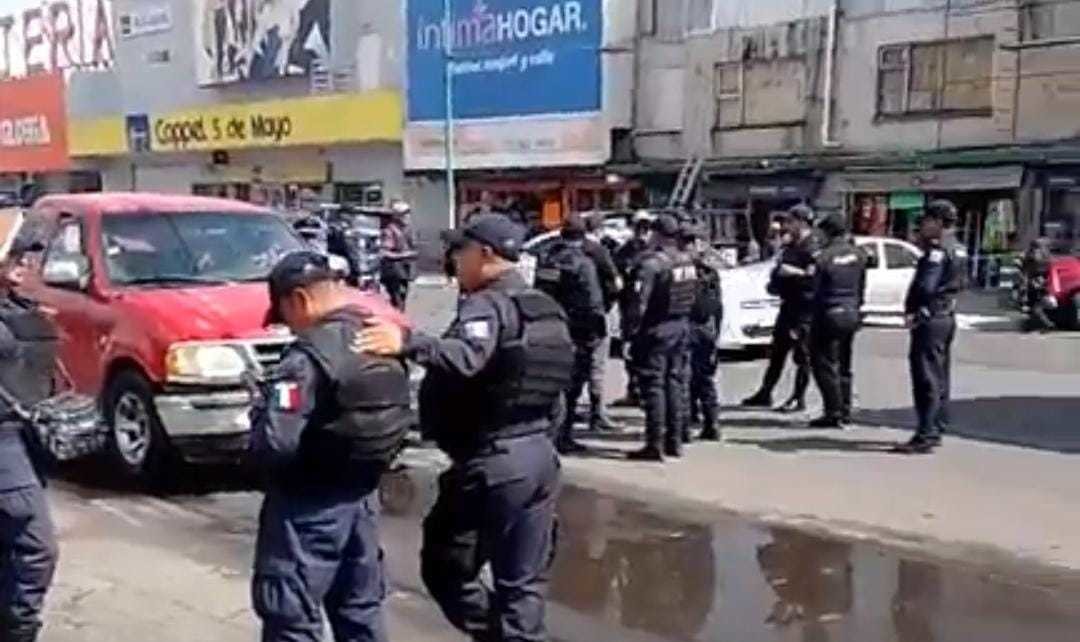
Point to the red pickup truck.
(160, 301)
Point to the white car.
(750, 311)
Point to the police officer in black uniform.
(657, 321)
(570, 277)
(793, 282)
(626, 261)
(27, 536)
(493, 383)
(327, 423)
(930, 309)
(839, 290)
(706, 317)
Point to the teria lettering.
(54, 36)
(483, 28)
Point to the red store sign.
(43, 36)
(33, 124)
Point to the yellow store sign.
(320, 120)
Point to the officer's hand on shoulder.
(381, 338)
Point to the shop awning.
(935, 180)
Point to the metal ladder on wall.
(686, 182)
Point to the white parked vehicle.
(750, 311)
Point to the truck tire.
(138, 446)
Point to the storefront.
(762, 196)
(1060, 220)
(266, 152)
(997, 214)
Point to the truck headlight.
(203, 363)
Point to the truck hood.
(222, 312)
(201, 313)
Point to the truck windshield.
(193, 248)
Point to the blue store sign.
(510, 58)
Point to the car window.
(33, 232)
(66, 243)
(873, 256)
(898, 257)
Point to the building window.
(700, 16)
(1048, 19)
(760, 93)
(728, 85)
(952, 76)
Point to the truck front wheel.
(138, 446)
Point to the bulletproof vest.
(844, 268)
(28, 376)
(708, 304)
(955, 278)
(569, 277)
(676, 291)
(368, 414)
(531, 368)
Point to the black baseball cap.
(574, 227)
(943, 210)
(293, 271)
(496, 231)
(666, 225)
(801, 213)
(834, 224)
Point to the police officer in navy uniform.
(706, 317)
(626, 261)
(930, 309)
(492, 386)
(839, 290)
(793, 282)
(27, 536)
(570, 277)
(657, 321)
(327, 423)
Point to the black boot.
(709, 433)
(673, 449)
(648, 453)
(758, 400)
(918, 445)
(827, 422)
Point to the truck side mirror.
(67, 272)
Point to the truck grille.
(267, 354)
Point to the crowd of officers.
(499, 393)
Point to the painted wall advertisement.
(33, 124)
(43, 36)
(239, 40)
(526, 82)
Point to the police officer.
(328, 422)
(626, 260)
(657, 321)
(27, 536)
(793, 282)
(398, 249)
(492, 385)
(569, 276)
(930, 311)
(839, 289)
(1035, 269)
(706, 317)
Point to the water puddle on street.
(626, 572)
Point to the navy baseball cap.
(296, 270)
(496, 231)
(801, 213)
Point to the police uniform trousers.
(397, 290)
(704, 363)
(662, 359)
(831, 340)
(790, 336)
(496, 507)
(316, 550)
(930, 360)
(588, 369)
(29, 549)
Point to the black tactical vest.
(676, 291)
(569, 277)
(843, 268)
(708, 304)
(368, 414)
(28, 376)
(955, 279)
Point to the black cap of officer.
(801, 213)
(834, 224)
(666, 225)
(574, 227)
(688, 230)
(942, 210)
(296, 270)
(496, 231)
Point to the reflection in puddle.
(626, 572)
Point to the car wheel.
(1074, 312)
(138, 446)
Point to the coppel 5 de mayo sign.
(509, 58)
